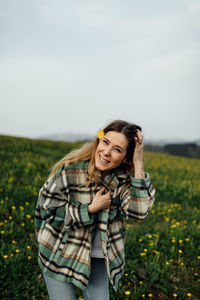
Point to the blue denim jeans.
(97, 289)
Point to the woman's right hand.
(100, 201)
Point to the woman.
(80, 213)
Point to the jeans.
(97, 289)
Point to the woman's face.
(111, 151)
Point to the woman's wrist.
(90, 209)
(139, 169)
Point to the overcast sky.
(73, 66)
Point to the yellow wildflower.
(5, 256)
(28, 216)
(29, 257)
(17, 250)
(175, 295)
(2, 231)
(100, 134)
(143, 253)
(180, 251)
(189, 294)
(13, 242)
(127, 293)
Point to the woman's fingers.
(139, 137)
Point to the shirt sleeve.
(54, 206)
(137, 197)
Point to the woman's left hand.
(138, 152)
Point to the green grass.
(162, 252)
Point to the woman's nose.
(107, 151)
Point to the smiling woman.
(81, 211)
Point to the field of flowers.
(162, 252)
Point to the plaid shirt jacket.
(65, 230)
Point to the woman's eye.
(105, 142)
(118, 150)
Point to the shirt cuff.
(140, 182)
(87, 218)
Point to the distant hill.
(67, 137)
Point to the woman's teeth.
(103, 160)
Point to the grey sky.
(73, 66)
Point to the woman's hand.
(100, 201)
(138, 156)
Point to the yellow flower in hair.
(100, 134)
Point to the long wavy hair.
(87, 151)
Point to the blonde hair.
(85, 153)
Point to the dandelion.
(140, 240)
(1, 223)
(2, 231)
(150, 295)
(5, 256)
(143, 254)
(180, 251)
(127, 293)
(28, 247)
(173, 226)
(156, 235)
(11, 254)
(198, 257)
(13, 207)
(156, 252)
(182, 264)
(10, 217)
(167, 263)
(100, 134)
(22, 224)
(189, 294)
(171, 260)
(143, 295)
(175, 295)
(27, 203)
(180, 241)
(141, 282)
(13, 242)
(126, 274)
(28, 216)
(187, 239)
(145, 250)
(29, 257)
(17, 250)
(21, 208)
(2, 202)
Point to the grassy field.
(162, 252)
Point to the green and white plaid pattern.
(65, 230)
